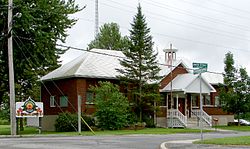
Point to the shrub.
(111, 106)
(69, 122)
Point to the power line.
(227, 6)
(194, 26)
(181, 38)
(167, 65)
(29, 64)
(216, 10)
(198, 16)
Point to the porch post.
(167, 106)
(191, 105)
(177, 103)
(186, 105)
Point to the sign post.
(30, 108)
(202, 67)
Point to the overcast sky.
(201, 30)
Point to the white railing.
(203, 114)
(177, 114)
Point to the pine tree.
(140, 66)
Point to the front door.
(181, 105)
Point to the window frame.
(67, 101)
(52, 101)
(89, 94)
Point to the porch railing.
(177, 114)
(207, 118)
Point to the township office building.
(62, 87)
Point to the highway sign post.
(202, 67)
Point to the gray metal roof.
(101, 63)
(98, 63)
(188, 83)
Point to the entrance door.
(181, 105)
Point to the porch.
(180, 106)
(185, 112)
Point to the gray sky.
(202, 30)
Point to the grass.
(235, 128)
(5, 130)
(243, 140)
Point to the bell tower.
(170, 55)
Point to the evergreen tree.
(109, 38)
(140, 67)
(37, 26)
(235, 93)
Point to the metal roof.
(98, 63)
(101, 63)
(188, 83)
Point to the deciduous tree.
(112, 107)
(37, 26)
(235, 93)
(109, 38)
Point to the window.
(217, 101)
(89, 97)
(64, 101)
(207, 100)
(52, 101)
(194, 100)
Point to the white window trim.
(52, 101)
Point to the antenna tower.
(96, 17)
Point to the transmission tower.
(96, 17)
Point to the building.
(62, 88)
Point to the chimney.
(170, 55)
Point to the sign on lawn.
(202, 67)
(29, 108)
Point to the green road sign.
(200, 70)
(199, 65)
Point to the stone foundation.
(48, 122)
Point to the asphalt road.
(106, 142)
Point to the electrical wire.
(216, 10)
(194, 26)
(184, 39)
(167, 65)
(53, 83)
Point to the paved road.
(104, 142)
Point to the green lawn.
(236, 128)
(5, 130)
(243, 140)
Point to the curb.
(164, 144)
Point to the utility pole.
(11, 69)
